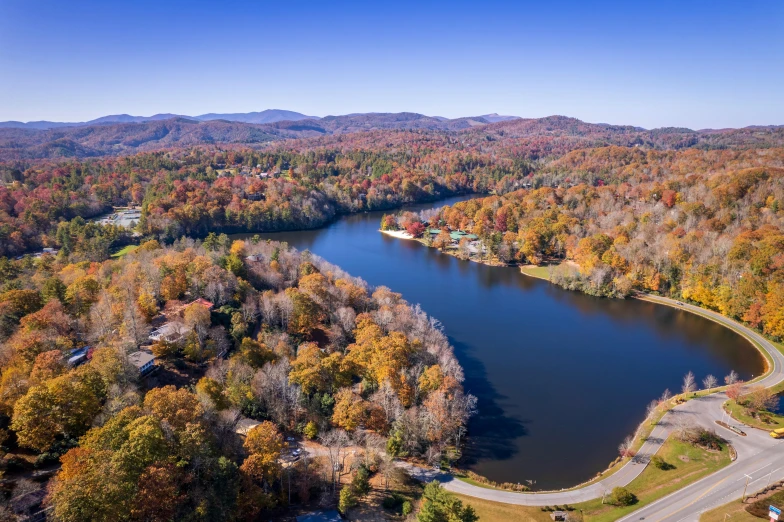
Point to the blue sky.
(681, 63)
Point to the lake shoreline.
(529, 270)
(484, 312)
(401, 234)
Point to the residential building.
(143, 361)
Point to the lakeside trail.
(759, 457)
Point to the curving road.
(760, 457)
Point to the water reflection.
(561, 377)
(492, 430)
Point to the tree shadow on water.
(491, 432)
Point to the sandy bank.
(398, 234)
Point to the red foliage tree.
(415, 228)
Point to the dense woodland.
(706, 226)
(186, 193)
(295, 343)
(310, 351)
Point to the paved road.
(759, 456)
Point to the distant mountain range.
(534, 137)
(266, 116)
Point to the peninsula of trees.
(255, 332)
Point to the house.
(206, 304)
(170, 332)
(174, 329)
(244, 425)
(176, 309)
(254, 257)
(143, 361)
(324, 515)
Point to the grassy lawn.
(473, 482)
(690, 464)
(734, 509)
(542, 272)
(127, 249)
(496, 512)
(739, 413)
(738, 511)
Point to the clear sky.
(650, 63)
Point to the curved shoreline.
(630, 470)
(708, 406)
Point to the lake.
(561, 377)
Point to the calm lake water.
(561, 377)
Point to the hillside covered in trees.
(257, 332)
(254, 332)
(520, 136)
(706, 226)
(305, 182)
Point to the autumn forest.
(253, 331)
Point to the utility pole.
(743, 497)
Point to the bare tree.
(651, 410)
(280, 398)
(732, 378)
(250, 309)
(625, 447)
(433, 455)
(336, 442)
(387, 399)
(269, 311)
(710, 382)
(666, 395)
(373, 446)
(689, 383)
(683, 424)
(387, 468)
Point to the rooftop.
(140, 358)
(244, 425)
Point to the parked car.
(777, 434)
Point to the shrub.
(508, 486)
(660, 463)
(361, 483)
(622, 497)
(311, 430)
(704, 438)
(347, 499)
(407, 508)
(390, 502)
